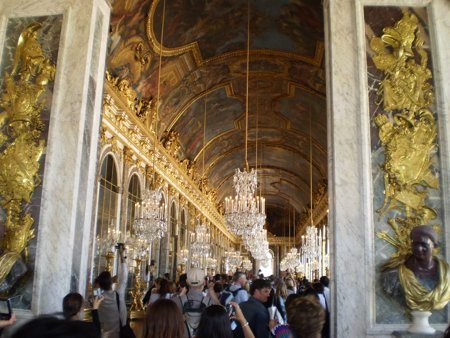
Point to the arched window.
(108, 195)
(183, 229)
(134, 196)
(173, 220)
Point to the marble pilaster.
(351, 216)
(70, 162)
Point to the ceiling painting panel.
(204, 55)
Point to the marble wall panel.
(89, 124)
(388, 309)
(19, 285)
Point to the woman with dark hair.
(163, 320)
(51, 327)
(215, 322)
(305, 317)
(112, 311)
(164, 291)
(72, 304)
(73, 308)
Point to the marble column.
(351, 218)
(65, 215)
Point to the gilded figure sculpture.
(407, 132)
(21, 146)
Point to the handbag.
(125, 330)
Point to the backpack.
(192, 312)
(227, 296)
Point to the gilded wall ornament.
(21, 145)
(407, 132)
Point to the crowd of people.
(195, 306)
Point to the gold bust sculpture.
(424, 278)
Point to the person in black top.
(254, 310)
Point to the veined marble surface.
(68, 182)
(49, 38)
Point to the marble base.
(420, 323)
(406, 334)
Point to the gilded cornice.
(194, 48)
(274, 240)
(123, 124)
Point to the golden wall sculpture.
(21, 145)
(407, 131)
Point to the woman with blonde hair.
(281, 295)
(290, 286)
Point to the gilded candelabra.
(137, 307)
(109, 256)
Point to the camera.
(5, 309)
(98, 292)
(230, 310)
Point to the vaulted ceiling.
(204, 59)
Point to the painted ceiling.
(204, 65)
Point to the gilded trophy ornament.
(407, 132)
(21, 146)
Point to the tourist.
(112, 311)
(151, 290)
(280, 297)
(164, 320)
(305, 317)
(319, 289)
(290, 286)
(73, 308)
(52, 327)
(7, 322)
(163, 292)
(237, 288)
(215, 322)
(193, 302)
(325, 281)
(255, 311)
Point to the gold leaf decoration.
(407, 131)
(21, 146)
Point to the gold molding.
(194, 48)
(119, 120)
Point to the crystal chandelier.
(211, 263)
(201, 246)
(247, 264)
(152, 225)
(311, 251)
(108, 242)
(183, 256)
(245, 212)
(233, 260)
(257, 244)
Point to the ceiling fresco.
(204, 58)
